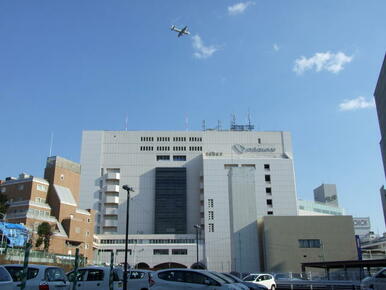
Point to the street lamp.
(128, 189)
(197, 227)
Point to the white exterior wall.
(121, 150)
(218, 152)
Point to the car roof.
(31, 266)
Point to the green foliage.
(3, 203)
(44, 233)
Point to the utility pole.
(128, 189)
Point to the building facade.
(326, 193)
(182, 179)
(380, 101)
(54, 200)
(286, 242)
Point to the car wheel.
(273, 287)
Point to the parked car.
(262, 279)
(39, 277)
(6, 282)
(138, 279)
(375, 282)
(250, 285)
(170, 279)
(96, 278)
(230, 281)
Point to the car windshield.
(4, 276)
(250, 278)
(233, 278)
(17, 272)
(222, 277)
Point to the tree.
(3, 204)
(44, 233)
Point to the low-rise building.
(288, 241)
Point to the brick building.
(54, 199)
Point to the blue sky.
(308, 67)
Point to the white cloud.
(276, 47)
(202, 51)
(356, 104)
(322, 61)
(239, 8)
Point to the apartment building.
(54, 199)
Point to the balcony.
(111, 199)
(111, 211)
(112, 176)
(111, 188)
(110, 223)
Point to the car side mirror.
(207, 282)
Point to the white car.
(39, 277)
(266, 280)
(250, 285)
(138, 279)
(170, 279)
(96, 278)
(6, 282)
(230, 280)
(378, 281)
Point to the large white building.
(221, 180)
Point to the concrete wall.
(280, 237)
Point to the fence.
(17, 255)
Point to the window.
(211, 228)
(95, 275)
(17, 272)
(310, 243)
(266, 167)
(4, 276)
(161, 252)
(259, 140)
(77, 230)
(227, 166)
(179, 157)
(20, 187)
(210, 202)
(41, 187)
(269, 202)
(54, 274)
(267, 178)
(179, 251)
(248, 165)
(211, 215)
(268, 190)
(3, 189)
(269, 212)
(163, 157)
(62, 176)
(136, 275)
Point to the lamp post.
(197, 227)
(128, 189)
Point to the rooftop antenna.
(51, 144)
(186, 123)
(203, 125)
(126, 121)
(233, 120)
(249, 118)
(218, 125)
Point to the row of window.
(310, 243)
(167, 157)
(175, 139)
(40, 200)
(166, 252)
(167, 148)
(267, 167)
(151, 241)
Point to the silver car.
(376, 282)
(39, 277)
(170, 279)
(6, 282)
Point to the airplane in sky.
(180, 31)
